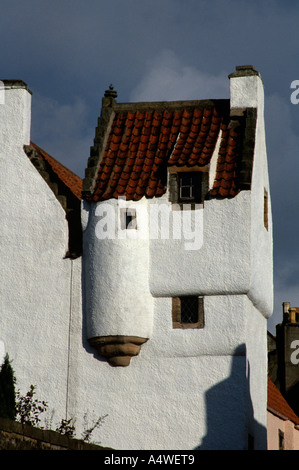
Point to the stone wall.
(17, 436)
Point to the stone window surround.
(175, 172)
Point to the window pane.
(190, 187)
(189, 309)
(188, 312)
(185, 192)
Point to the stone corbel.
(118, 350)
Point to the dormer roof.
(136, 142)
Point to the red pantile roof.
(70, 179)
(144, 140)
(278, 404)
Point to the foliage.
(29, 408)
(67, 428)
(7, 390)
(86, 435)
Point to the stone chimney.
(15, 114)
(246, 88)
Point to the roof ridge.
(164, 105)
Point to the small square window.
(187, 312)
(128, 219)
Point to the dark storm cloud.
(69, 51)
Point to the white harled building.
(142, 293)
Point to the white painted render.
(35, 278)
(116, 273)
(180, 391)
(248, 91)
(221, 265)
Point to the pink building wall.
(282, 422)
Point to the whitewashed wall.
(116, 272)
(186, 389)
(35, 277)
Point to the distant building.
(158, 322)
(283, 423)
(283, 356)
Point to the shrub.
(29, 408)
(67, 428)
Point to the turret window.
(128, 219)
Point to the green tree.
(7, 390)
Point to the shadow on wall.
(229, 412)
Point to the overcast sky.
(69, 51)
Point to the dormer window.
(187, 186)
